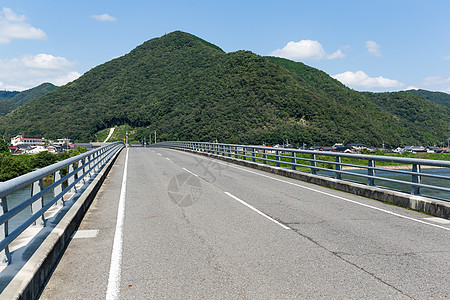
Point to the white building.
(20, 140)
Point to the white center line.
(256, 210)
(113, 289)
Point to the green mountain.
(20, 98)
(437, 97)
(188, 89)
(5, 95)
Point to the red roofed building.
(20, 140)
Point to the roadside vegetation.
(12, 166)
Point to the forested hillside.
(188, 89)
(437, 97)
(17, 99)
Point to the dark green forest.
(188, 89)
(13, 100)
(437, 97)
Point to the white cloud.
(24, 72)
(437, 83)
(447, 58)
(336, 54)
(306, 49)
(373, 48)
(360, 80)
(14, 26)
(103, 18)
(46, 62)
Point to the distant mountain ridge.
(185, 88)
(4, 95)
(15, 99)
(437, 97)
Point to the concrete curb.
(428, 205)
(28, 282)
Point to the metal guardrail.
(79, 170)
(315, 163)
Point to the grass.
(119, 134)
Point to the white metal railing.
(314, 162)
(69, 176)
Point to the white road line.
(437, 220)
(256, 210)
(334, 196)
(159, 154)
(168, 159)
(113, 289)
(190, 172)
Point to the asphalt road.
(197, 228)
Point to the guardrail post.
(313, 164)
(229, 150)
(277, 153)
(244, 153)
(81, 169)
(91, 163)
(96, 158)
(264, 157)
(5, 256)
(371, 172)
(253, 155)
(338, 167)
(415, 190)
(58, 189)
(294, 161)
(71, 179)
(36, 187)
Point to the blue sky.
(368, 45)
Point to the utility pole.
(155, 136)
(126, 138)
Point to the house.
(14, 149)
(23, 148)
(37, 149)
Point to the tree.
(3, 146)
(11, 167)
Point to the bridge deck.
(199, 228)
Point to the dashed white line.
(113, 289)
(256, 210)
(190, 172)
(334, 196)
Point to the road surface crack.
(339, 255)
